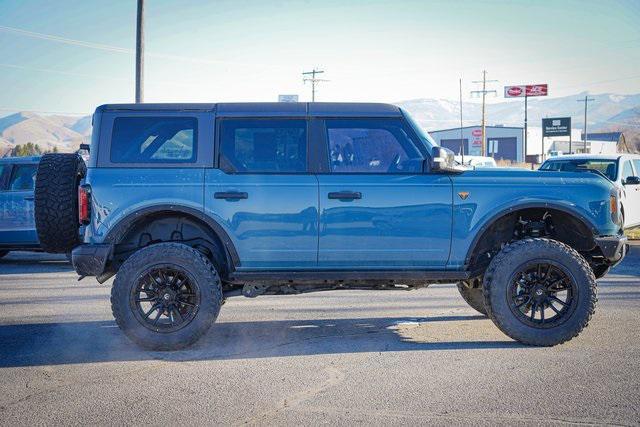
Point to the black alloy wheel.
(542, 294)
(165, 299)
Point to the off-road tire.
(3, 253)
(508, 261)
(56, 201)
(474, 297)
(184, 258)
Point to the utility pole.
(461, 139)
(313, 81)
(140, 53)
(586, 101)
(484, 93)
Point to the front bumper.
(91, 259)
(613, 248)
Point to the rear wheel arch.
(174, 223)
(571, 228)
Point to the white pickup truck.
(622, 169)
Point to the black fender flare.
(120, 229)
(531, 205)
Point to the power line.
(484, 93)
(637, 76)
(110, 48)
(100, 77)
(313, 79)
(64, 73)
(65, 40)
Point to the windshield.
(426, 139)
(609, 168)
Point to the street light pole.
(140, 53)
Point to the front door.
(263, 194)
(377, 209)
(17, 224)
(632, 194)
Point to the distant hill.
(627, 117)
(435, 114)
(609, 112)
(65, 133)
(627, 122)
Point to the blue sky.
(70, 56)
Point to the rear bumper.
(91, 259)
(614, 248)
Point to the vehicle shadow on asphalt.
(102, 341)
(20, 263)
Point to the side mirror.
(442, 160)
(632, 180)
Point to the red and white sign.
(528, 90)
(476, 132)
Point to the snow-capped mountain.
(442, 114)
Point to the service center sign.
(525, 90)
(558, 126)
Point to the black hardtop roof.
(237, 109)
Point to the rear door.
(17, 224)
(263, 193)
(378, 210)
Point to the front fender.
(491, 197)
(478, 229)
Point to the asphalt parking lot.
(342, 357)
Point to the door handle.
(29, 198)
(345, 195)
(230, 195)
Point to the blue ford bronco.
(188, 204)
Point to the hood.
(536, 175)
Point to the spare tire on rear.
(56, 201)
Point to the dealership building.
(503, 142)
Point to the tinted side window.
(263, 145)
(23, 177)
(551, 166)
(636, 165)
(154, 140)
(371, 146)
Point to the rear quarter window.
(154, 140)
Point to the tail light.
(84, 204)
